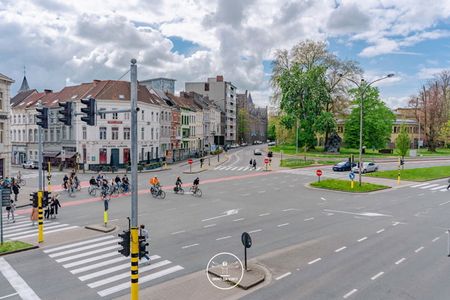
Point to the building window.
(24, 136)
(58, 135)
(126, 133)
(142, 133)
(103, 156)
(30, 135)
(152, 117)
(115, 133)
(35, 135)
(143, 115)
(151, 135)
(206, 86)
(115, 116)
(103, 133)
(14, 119)
(102, 116)
(1, 132)
(84, 133)
(127, 116)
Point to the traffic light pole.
(40, 184)
(134, 180)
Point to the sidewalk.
(209, 163)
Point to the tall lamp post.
(362, 87)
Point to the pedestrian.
(251, 162)
(54, 206)
(15, 189)
(448, 187)
(34, 215)
(143, 236)
(47, 211)
(254, 164)
(201, 162)
(10, 210)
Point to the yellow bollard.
(134, 264)
(352, 184)
(40, 218)
(105, 217)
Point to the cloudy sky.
(64, 42)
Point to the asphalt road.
(317, 244)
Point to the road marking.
(210, 225)
(376, 276)
(419, 249)
(417, 185)
(400, 261)
(282, 276)
(322, 198)
(87, 253)
(309, 219)
(7, 296)
(439, 187)
(258, 169)
(189, 246)
(381, 230)
(142, 279)
(395, 223)
(234, 168)
(340, 249)
(245, 169)
(78, 249)
(350, 293)
(17, 282)
(291, 209)
(245, 195)
(100, 264)
(260, 192)
(49, 226)
(237, 220)
(223, 238)
(240, 168)
(444, 203)
(46, 232)
(314, 261)
(178, 232)
(284, 224)
(435, 239)
(428, 186)
(226, 213)
(264, 214)
(255, 231)
(443, 190)
(88, 260)
(366, 214)
(362, 239)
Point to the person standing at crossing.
(143, 235)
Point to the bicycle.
(157, 192)
(196, 191)
(117, 189)
(178, 190)
(20, 181)
(92, 190)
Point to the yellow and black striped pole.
(40, 217)
(49, 177)
(134, 263)
(398, 176)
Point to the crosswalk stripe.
(20, 227)
(87, 253)
(35, 229)
(439, 187)
(78, 244)
(246, 168)
(105, 271)
(96, 245)
(91, 259)
(127, 274)
(258, 169)
(17, 217)
(16, 224)
(222, 168)
(428, 186)
(143, 279)
(234, 168)
(240, 168)
(46, 232)
(443, 190)
(100, 264)
(216, 168)
(228, 168)
(417, 185)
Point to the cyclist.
(125, 183)
(93, 182)
(19, 177)
(76, 182)
(105, 189)
(154, 181)
(65, 180)
(118, 181)
(178, 183)
(99, 178)
(195, 184)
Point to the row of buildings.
(170, 127)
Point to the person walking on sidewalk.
(251, 163)
(15, 190)
(143, 236)
(254, 164)
(54, 204)
(10, 210)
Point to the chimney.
(219, 78)
(48, 91)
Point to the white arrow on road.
(366, 214)
(225, 214)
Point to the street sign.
(266, 160)
(247, 242)
(190, 161)
(319, 173)
(351, 175)
(6, 196)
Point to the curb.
(194, 172)
(20, 250)
(101, 228)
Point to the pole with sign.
(318, 173)
(398, 176)
(266, 162)
(190, 165)
(247, 242)
(351, 175)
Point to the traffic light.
(46, 198)
(34, 199)
(43, 116)
(90, 111)
(125, 243)
(142, 247)
(66, 113)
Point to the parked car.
(257, 143)
(271, 144)
(343, 166)
(243, 144)
(367, 167)
(233, 146)
(31, 164)
(257, 152)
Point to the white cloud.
(428, 73)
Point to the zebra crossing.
(98, 263)
(237, 168)
(431, 186)
(23, 227)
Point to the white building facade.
(5, 142)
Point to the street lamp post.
(362, 87)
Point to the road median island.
(345, 186)
(10, 247)
(294, 163)
(418, 174)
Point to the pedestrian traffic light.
(34, 199)
(142, 247)
(125, 243)
(90, 111)
(66, 113)
(402, 162)
(46, 198)
(43, 116)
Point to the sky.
(62, 42)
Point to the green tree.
(272, 129)
(243, 124)
(403, 141)
(377, 119)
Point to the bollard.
(448, 233)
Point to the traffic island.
(254, 275)
(417, 174)
(101, 227)
(345, 186)
(10, 247)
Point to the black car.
(343, 166)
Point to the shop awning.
(51, 154)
